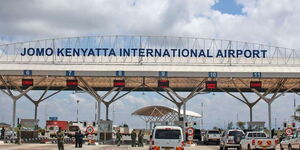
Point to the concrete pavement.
(92, 147)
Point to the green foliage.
(230, 125)
(241, 124)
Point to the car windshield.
(167, 134)
(256, 135)
(235, 133)
(213, 132)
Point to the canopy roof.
(160, 111)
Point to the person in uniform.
(118, 138)
(18, 141)
(140, 139)
(133, 138)
(2, 133)
(77, 139)
(60, 139)
(272, 133)
(80, 139)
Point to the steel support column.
(87, 88)
(279, 85)
(178, 100)
(41, 98)
(8, 84)
(184, 120)
(115, 98)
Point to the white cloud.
(264, 21)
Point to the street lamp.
(77, 109)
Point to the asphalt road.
(87, 147)
(91, 147)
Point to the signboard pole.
(184, 120)
(98, 122)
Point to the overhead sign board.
(163, 83)
(119, 83)
(211, 84)
(53, 118)
(72, 83)
(142, 52)
(255, 84)
(27, 82)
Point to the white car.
(257, 140)
(166, 138)
(231, 139)
(212, 136)
(291, 142)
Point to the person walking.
(2, 133)
(60, 139)
(77, 139)
(272, 133)
(80, 139)
(18, 141)
(133, 138)
(140, 139)
(118, 138)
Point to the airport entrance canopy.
(160, 114)
(149, 63)
(184, 61)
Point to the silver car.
(291, 142)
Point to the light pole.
(77, 109)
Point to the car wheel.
(281, 148)
(221, 146)
(248, 147)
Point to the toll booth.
(158, 123)
(256, 125)
(29, 128)
(105, 130)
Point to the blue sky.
(256, 21)
(229, 7)
(218, 108)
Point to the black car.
(197, 134)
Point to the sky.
(272, 22)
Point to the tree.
(241, 124)
(230, 125)
(297, 116)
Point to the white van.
(166, 138)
